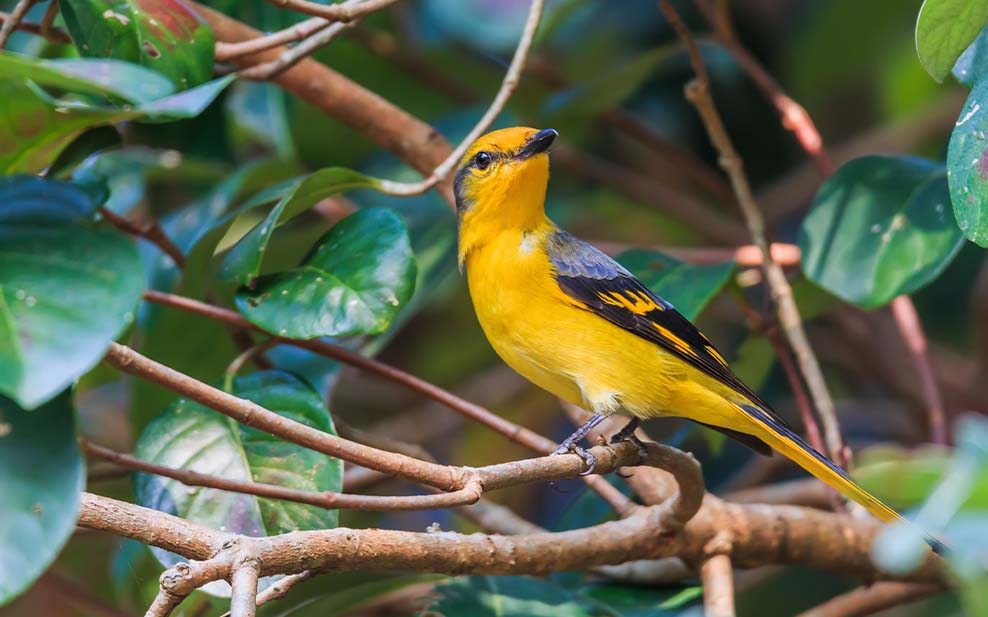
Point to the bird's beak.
(537, 144)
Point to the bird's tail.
(791, 445)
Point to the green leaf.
(967, 166)
(505, 596)
(354, 281)
(165, 35)
(243, 262)
(345, 599)
(43, 474)
(192, 437)
(35, 125)
(687, 286)
(636, 601)
(972, 65)
(68, 287)
(944, 28)
(904, 478)
(84, 146)
(878, 228)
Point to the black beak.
(537, 144)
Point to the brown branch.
(163, 604)
(762, 536)
(243, 581)
(344, 12)
(872, 599)
(794, 116)
(807, 492)
(152, 232)
(394, 129)
(48, 20)
(912, 333)
(515, 432)
(718, 586)
(281, 587)
(54, 35)
(698, 93)
(11, 21)
(327, 499)
(746, 256)
(304, 29)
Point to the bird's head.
(504, 175)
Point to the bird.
(576, 323)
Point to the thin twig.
(54, 35)
(508, 86)
(912, 333)
(794, 116)
(297, 32)
(11, 22)
(152, 232)
(326, 499)
(698, 93)
(512, 431)
(48, 21)
(290, 58)
(746, 255)
(252, 353)
(344, 12)
(718, 586)
(874, 598)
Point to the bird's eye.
(483, 160)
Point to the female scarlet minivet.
(576, 323)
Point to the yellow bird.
(578, 324)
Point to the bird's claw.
(642, 448)
(588, 459)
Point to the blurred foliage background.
(633, 169)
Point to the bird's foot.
(628, 434)
(589, 460)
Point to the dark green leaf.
(967, 166)
(122, 80)
(190, 436)
(505, 596)
(354, 282)
(344, 600)
(973, 63)
(164, 35)
(243, 262)
(68, 288)
(84, 146)
(944, 29)
(878, 228)
(42, 477)
(687, 286)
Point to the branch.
(345, 12)
(698, 93)
(878, 597)
(13, 20)
(304, 29)
(320, 38)
(508, 86)
(512, 431)
(718, 586)
(243, 581)
(911, 330)
(794, 116)
(152, 232)
(54, 35)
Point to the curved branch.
(867, 600)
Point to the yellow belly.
(576, 354)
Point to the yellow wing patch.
(680, 345)
(635, 301)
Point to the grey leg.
(571, 443)
(628, 434)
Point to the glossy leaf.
(944, 29)
(68, 287)
(164, 35)
(354, 281)
(192, 437)
(687, 286)
(243, 262)
(36, 125)
(967, 165)
(878, 228)
(43, 474)
(972, 65)
(505, 596)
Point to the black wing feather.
(600, 283)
